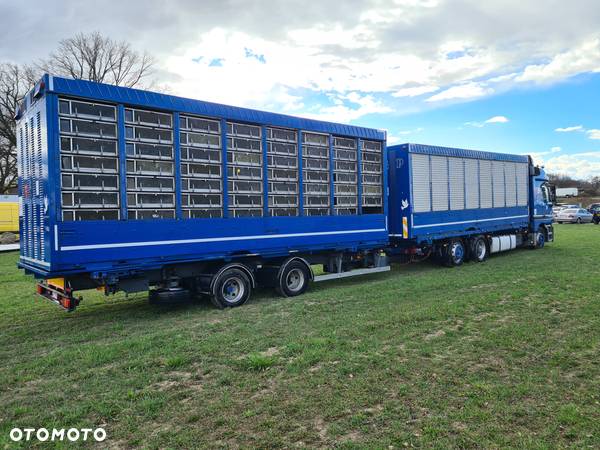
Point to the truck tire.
(293, 279)
(455, 253)
(540, 240)
(231, 288)
(479, 249)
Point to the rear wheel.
(231, 288)
(455, 253)
(293, 279)
(579, 220)
(479, 249)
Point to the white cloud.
(400, 136)
(497, 119)
(491, 120)
(555, 149)
(584, 58)
(595, 154)
(342, 112)
(593, 134)
(373, 47)
(415, 91)
(570, 129)
(464, 91)
(572, 165)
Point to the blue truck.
(129, 190)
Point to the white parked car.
(574, 215)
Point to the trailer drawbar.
(128, 190)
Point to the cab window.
(546, 197)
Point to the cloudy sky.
(501, 75)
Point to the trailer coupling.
(54, 290)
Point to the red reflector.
(40, 289)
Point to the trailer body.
(567, 192)
(440, 193)
(127, 190)
(119, 182)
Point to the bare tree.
(98, 58)
(14, 83)
(85, 56)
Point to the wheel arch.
(301, 260)
(228, 266)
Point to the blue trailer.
(124, 189)
(457, 204)
(128, 190)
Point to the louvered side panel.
(510, 177)
(456, 171)
(40, 194)
(421, 183)
(439, 183)
(485, 184)
(471, 183)
(498, 181)
(522, 184)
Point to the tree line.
(85, 56)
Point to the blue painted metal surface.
(131, 245)
(426, 227)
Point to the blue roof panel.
(154, 100)
(459, 152)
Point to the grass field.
(495, 355)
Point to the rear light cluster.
(60, 297)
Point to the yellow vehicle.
(9, 214)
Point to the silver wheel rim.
(480, 248)
(294, 280)
(233, 290)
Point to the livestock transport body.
(124, 189)
(128, 190)
(456, 204)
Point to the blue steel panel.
(461, 153)
(428, 226)
(53, 189)
(135, 97)
(331, 186)
(122, 160)
(437, 225)
(300, 176)
(359, 174)
(265, 165)
(112, 245)
(177, 159)
(224, 168)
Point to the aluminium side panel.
(464, 186)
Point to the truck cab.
(543, 197)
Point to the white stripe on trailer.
(468, 221)
(221, 239)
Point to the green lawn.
(496, 355)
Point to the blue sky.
(498, 75)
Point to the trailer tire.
(293, 278)
(455, 253)
(479, 249)
(231, 287)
